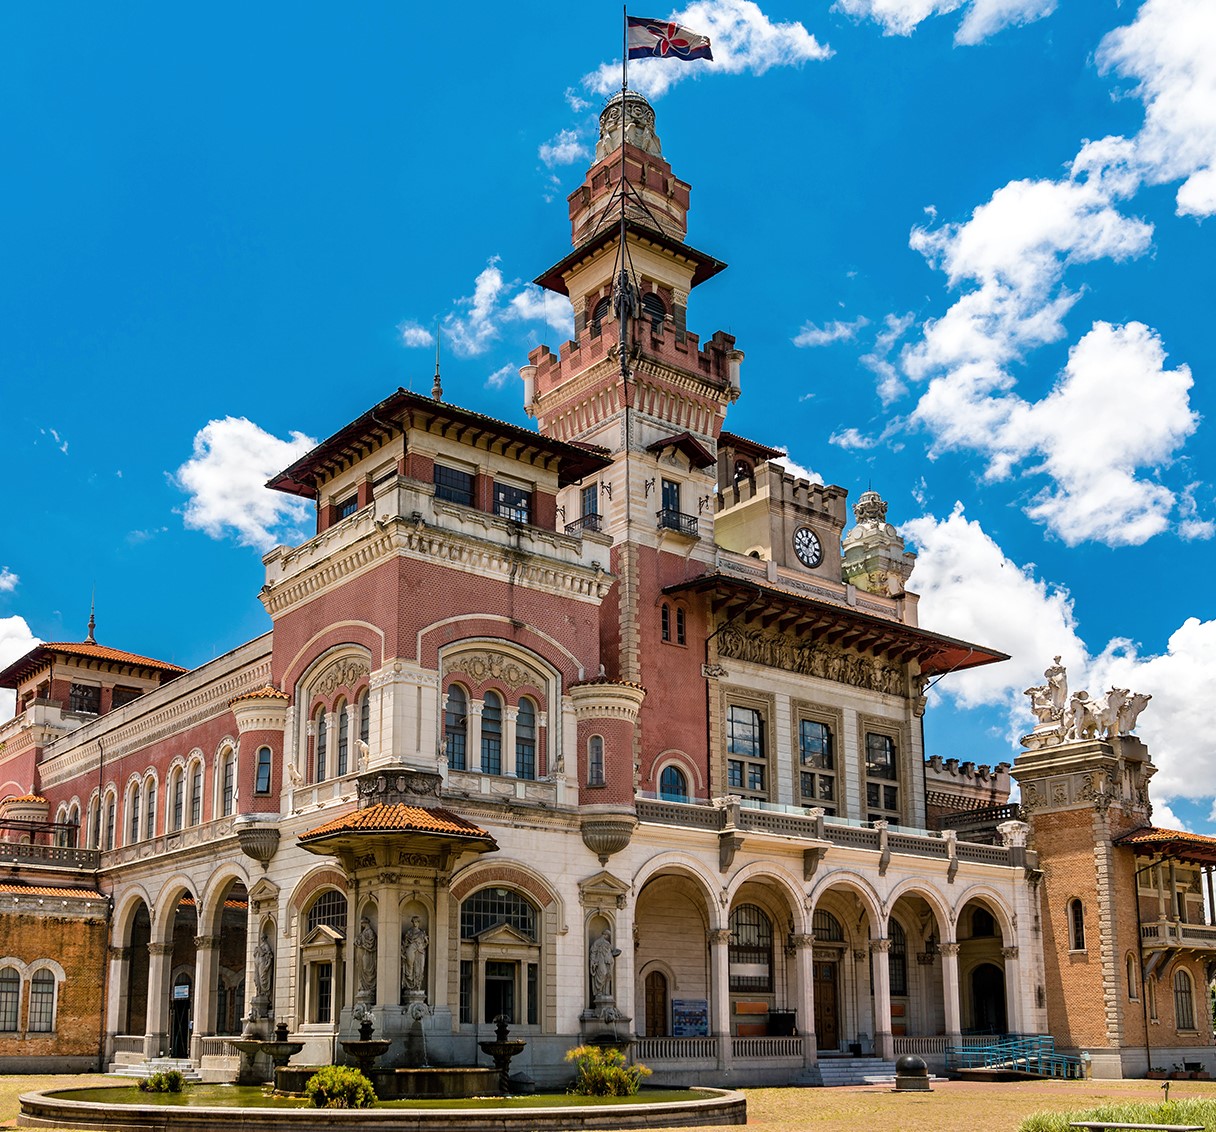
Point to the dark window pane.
(492, 906)
(513, 502)
(454, 486)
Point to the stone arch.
(576, 668)
(211, 909)
(165, 906)
(771, 874)
(686, 866)
(45, 964)
(367, 637)
(859, 886)
(913, 886)
(319, 877)
(674, 756)
(507, 872)
(996, 905)
(126, 907)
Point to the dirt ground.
(953, 1106)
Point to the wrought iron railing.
(586, 523)
(677, 521)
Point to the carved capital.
(950, 949)
(718, 936)
(1009, 952)
(802, 939)
(206, 942)
(160, 949)
(119, 952)
(880, 946)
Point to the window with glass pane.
(1184, 1001)
(680, 635)
(499, 990)
(262, 783)
(1076, 912)
(343, 738)
(489, 907)
(322, 745)
(228, 784)
(466, 990)
(589, 500)
(525, 740)
(325, 992)
(455, 727)
(880, 756)
(747, 766)
(150, 824)
(329, 909)
(513, 502)
(533, 993)
(179, 799)
(750, 952)
(453, 485)
(347, 507)
(491, 734)
(897, 958)
(10, 997)
(673, 786)
(817, 779)
(111, 807)
(595, 761)
(365, 716)
(881, 799)
(196, 794)
(665, 621)
(84, 698)
(42, 1002)
(133, 835)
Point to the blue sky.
(971, 263)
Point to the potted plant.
(1157, 1073)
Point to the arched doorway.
(656, 1005)
(988, 999)
(181, 1006)
(136, 1020)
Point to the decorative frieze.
(345, 672)
(810, 658)
(488, 665)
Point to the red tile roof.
(397, 817)
(42, 654)
(9, 889)
(1151, 839)
(266, 692)
(24, 798)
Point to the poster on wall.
(690, 1017)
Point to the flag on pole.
(661, 39)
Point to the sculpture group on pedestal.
(1065, 719)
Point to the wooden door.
(656, 1005)
(827, 1032)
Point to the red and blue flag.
(661, 39)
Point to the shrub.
(339, 1086)
(602, 1072)
(165, 1081)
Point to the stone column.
(206, 976)
(331, 745)
(119, 982)
(1013, 990)
(472, 757)
(352, 737)
(719, 990)
(950, 994)
(509, 717)
(1160, 893)
(388, 955)
(156, 1041)
(804, 966)
(439, 952)
(884, 1043)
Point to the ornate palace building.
(611, 725)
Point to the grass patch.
(1198, 1110)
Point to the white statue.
(414, 941)
(365, 942)
(1129, 711)
(361, 753)
(263, 969)
(1057, 683)
(603, 961)
(1070, 719)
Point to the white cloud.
(1169, 53)
(16, 640)
(742, 37)
(477, 322)
(878, 362)
(58, 440)
(795, 469)
(8, 580)
(564, 148)
(970, 589)
(225, 481)
(414, 334)
(501, 376)
(852, 438)
(981, 19)
(1163, 815)
(812, 335)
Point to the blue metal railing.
(1035, 1055)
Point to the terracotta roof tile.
(24, 798)
(41, 654)
(1171, 842)
(102, 652)
(266, 692)
(397, 817)
(9, 889)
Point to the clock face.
(807, 547)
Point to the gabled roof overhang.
(772, 607)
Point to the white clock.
(808, 547)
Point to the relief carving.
(776, 650)
(482, 666)
(343, 673)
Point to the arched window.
(599, 313)
(227, 782)
(365, 716)
(507, 981)
(95, 824)
(111, 817)
(262, 782)
(1076, 924)
(74, 823)
(826, 927)
(489, 907)
(196, 793)
(897, 958)
(330, 909)
(456, 728)
(133, 800)
(1131, 978)
(62, 831)
(179, 798)
(491, 734)
(525, 740)
(42, 1002)
(150, 823)
(10, 998)
(1184, 1000)
(681, 635)
(750, 952)
(743, 470)
(1150, 988)
(673, 786)
(654, 309)
(665, 621)
(595, 761)
(343, 738)
(322, 743)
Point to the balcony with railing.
(1177, 933)
(678, 522)
(591, 522)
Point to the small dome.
(639, 125)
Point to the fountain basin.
(443, 1082)
(49, 1110)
